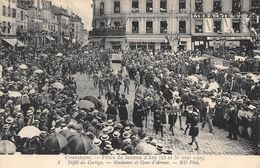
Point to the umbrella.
(95, 150)
(14, 94)
(1, 93)
(240, 58)
(38, 71)
(23, 100)
(59, 55)
(86, 104)
(23, 66)
(29, 132)
(257, 57)
(80, 144)
(234, 69)
(213, 86)
(10, 68)
(43, 55)
(92, 99)
(145, 149)
(192, 78)
(7, 147)
(68, 134)
(54, 143)
(58, 85)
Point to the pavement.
(209, 144)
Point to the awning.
(49, 38)
(96, 40)
(67, 38)
(155, 40)
(13, 42)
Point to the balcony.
(107, 32)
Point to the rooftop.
(59, 11)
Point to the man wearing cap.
(126, 84)
(122, 109)
(208, 114)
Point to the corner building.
(121, 24)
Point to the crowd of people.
(41, 113)
(176, 85)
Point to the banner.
(227, 25)
(208, 25)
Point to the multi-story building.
(8, 10)
(50, 22)
(63, 23)
(183, 24)
(76, 27)
(217, 23)
(142, 23)
(21, 22)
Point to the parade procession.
(148, 77)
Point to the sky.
(79, 7)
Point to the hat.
(63, 124)
(108, 148)
(104, 137)
(108, 142)
(97, 141)
(6, 126)
(43, 133)
(2, 110)
(9, 120)
(78, 127)
(142, 134)
(110, 129)
(110, 122)
(119, 125)
(19, 114)
(159, 147)
(105, 130)
(116, 134)
(127, 128)
(126, 135)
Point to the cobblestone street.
(209, 143)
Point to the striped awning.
(49, 38)
(96, 40)
(138, 39)
(13, 42)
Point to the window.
(163, 27)
(182, 26)
(182, 6)
(255, 7)
(9, 11)
(149, 27)
(198, 26)
(163, 6)
(236, 6)
(4, 27)
(14, 13)
(8, 27)
(117, 24)
(217, 6)
(117, 7)
(102, 8)
(217, 26)
(149, 6)
(135, 6)
(4, 10)
(135, 27)
(22, 17)
(102, 24)
(199, 5)
(236, 26)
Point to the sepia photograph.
(111, 78)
